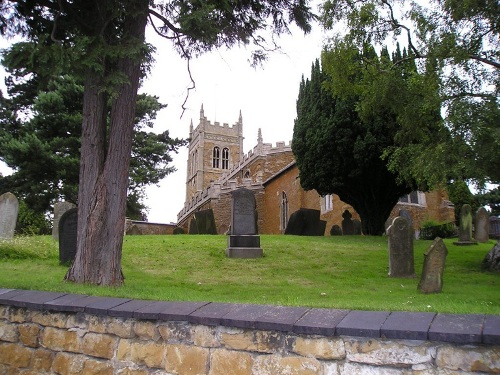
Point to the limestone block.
(78, 320)
(19, 315)
(380, 352)
(275, 364)
(8, 332)
(254, 341)
(68, 364)
(205, 336)
(321, 347)
(28, 334)
(359, 369)
(42, 360)
(121, 327)
(49, 319)
(99, 345)
(98, 324)
(131, 371)
(186, 360)
(479, 359)
(176, 332)
(60, 340)
(95, 367)
(148, 353)
(146, 330)
(223, 362)
(15, 355)
(4, 312)
(330, 368)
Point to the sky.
(225, 85)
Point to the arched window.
(247, 174)
(225, 158)
(283, 211)
(216, 157)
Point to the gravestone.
(491, 261)
(465, 228)
(306, 222)
(9, 209)
(335, 230)
(407, 215)
(193, 226)
(356, 224)
(178, 230)
(482, 227)
(347, 224)
(401, 262)
(205, 221)
(494, 227)
(68, 225)
(59, 209)
(243, 242)
(431, 280)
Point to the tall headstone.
(465, 228)
(59, 209)
(347, 224)
(482, 227)
(431, 280)
(243, 242)
(401, 261)
(9, 209)
(68, 225)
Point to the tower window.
(225, 158)
(216, 157)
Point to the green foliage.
(338, 272)
(431, 229)
(30, 222)
(454, 45)
(338, 146)
(491, 199)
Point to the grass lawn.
(338, 272)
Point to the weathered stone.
(28, 334)
(474, 359)
(148, 353)
(68, 224)
(95, 367)
(465, 228)
(431, 280)
(482, 227)
(15, 355)
(205, 336)
(491, 261)
(70, 364)
(146, 330)
(254, 341)
(78, 320)
(225, 362)
(8, 332)
(186, 360)
(205, 222)
(359, 369)
(306, 222)
(179, 331)
(401, 260)
(99, 345)
(9, 209)
(98, 324)
(274, 364)
(60, 340)
(132, 371)
(42, 360)
(320, 348)
(59, 209)
(120, 327)
(19, 315)
(335, 230)
(388, 353)
(49, 319)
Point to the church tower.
(213, 150)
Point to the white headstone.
(9, 209)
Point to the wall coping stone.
(453, 328)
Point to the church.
(217, 165)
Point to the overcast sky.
(225, 84)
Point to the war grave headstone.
(482, 227)
(431, 280)
(68, 226)
(347, 224)
(401, 261)
(335, 230)
(306, 222)
(243, 242)
(465, 228)
(9, 209)
(59, 209)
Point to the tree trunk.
(104, 168)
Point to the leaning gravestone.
(9, 209)
(482, 228)
(68, 225)
(243, 242)
(465, 228)
(401, 262)
(347, 224)
(431, 280)
(491, 261)
(59, 209)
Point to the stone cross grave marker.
(482, 228)
(431, 280)
(59, 209)
(401, 262)
(243, 242)
(347, 224)
(68, 225)
(465, 228)
(9, 209)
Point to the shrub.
(431, 229)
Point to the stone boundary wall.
(57, 333)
